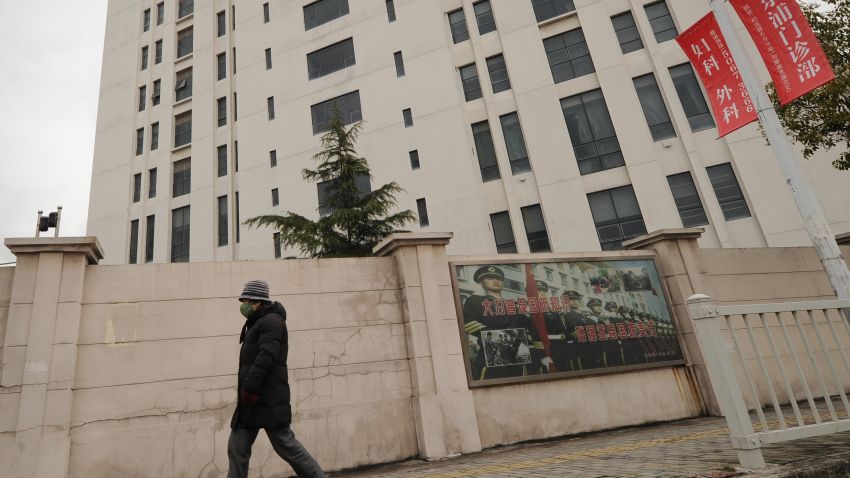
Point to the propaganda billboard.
(525, 321)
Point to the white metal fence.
(793, 358)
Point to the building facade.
(518, 125)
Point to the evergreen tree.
(358, 220)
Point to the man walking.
(263, 387)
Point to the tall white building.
(519, 125)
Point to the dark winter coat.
(262, 370)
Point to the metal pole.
(810, 211)
(38, 223)
(58, 218)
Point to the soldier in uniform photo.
(617, 355)
(597, 353)
(561, 335)
(574, 319)
(632, 349)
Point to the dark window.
(484, 17)
(233, 60)
(157, 52)
(236, 226)
(568, 55)
(661, 21)
(535, 229)
(134, 241)
(180, 234)
(268, 58)
(144, 57)
(503, 233)
(654, 109)
(183, 84)
(362, 184)
(140, 141)
(399, 64)
(422, 209)
(146, 21)
(152, 183)
(266, 12)
(233, 22)
(275, 197)
(323, 11)
(273, 158)
(185, 7)
(160, 13)
(221, 23)
(546, 9)
(331, 58)
(184, 42)
(469, 80)
(236, 157)
(407, 116)
(687, 200)
(485, 151)
(234, 107)
(457, 23)
(182, 178)
(150, 224)
(137, 187)
(515, 143)
(617, 216)
(155, 136)
(276, 241)
(182, 129)
(221, 66)
(594, 140)
(498, 73)
(690, 95)
(270, 107)
(627, 32)
(390, 10)
(155, 93)
(143, 94)
(222, 160)
(223, 223)
(728, 192)
(348, 106)
(414, 159)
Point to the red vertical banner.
(537, 318)
(787, 44)
(705, 47)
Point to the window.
(234, 107)
(331, 58)
(155, 136)
(270, 107)
(268, 58)
(324, 191)
(627, 32)
(144, 57)
(687, 200)
(399, 64)
(157, 52)
(155, 93)
(233, 22)
(690, 95)
(140, 141)
(485, 151)
(134, 241)
(422, 209)
(546, 9)
(184, 42)
(503, 233)
(276, 242)
(414, 159)
(390, 10)
(535, 229)
(457, 23)
(223, 223)
(137, 187)
(182, 129)
(266, 12)
(617, 216)
(484, 17)
(149, 235)
(407, 116)
(233, 60)
(515, 143)
(185, 7)
(221, 23)
(152, 183)
(180, 234)
(728, 192)
(183, 84)
(661, 21)
(469, 80)
(568, 55)
(498, 73)
(160, 13)
(653, 107)
(221, 157)
(348, 106)
(273, 158)
(221, 66)
(146, 20)
(182, 177)
(142, 97)
(323, 11)
(275, 198)
(594, 140)
(236, 213)
(236, 156)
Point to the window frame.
(535, 243)
(664, 33)
(728, 204)
(558, 8)
(324, 111)
(580, 149)
(517, 151)
(683, 206)
(616, 243)
(559, 51)
(691, 95)
(489, 25)
(626, 45)
(311, 10)
(181, 232)
(651, 92)
(422, 212)
(485, 151)
(505, 84)
(183, 129)
(320, 63)
(458, 27)
(181, 179)
(504, 219)
(470, 82)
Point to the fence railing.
(793, 357)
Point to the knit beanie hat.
(256, 290)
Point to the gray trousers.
(284, 443)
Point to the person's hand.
(546, 361)
(248, 398)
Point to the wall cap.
(843, 239)
(663, 235)
(89, 245)
(401, 239)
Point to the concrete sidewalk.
(690, 448)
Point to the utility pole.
(810, 210)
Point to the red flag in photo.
(537, 318)
(787, 44)
(710, 56)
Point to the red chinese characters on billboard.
(705, 47)
(787, 44)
